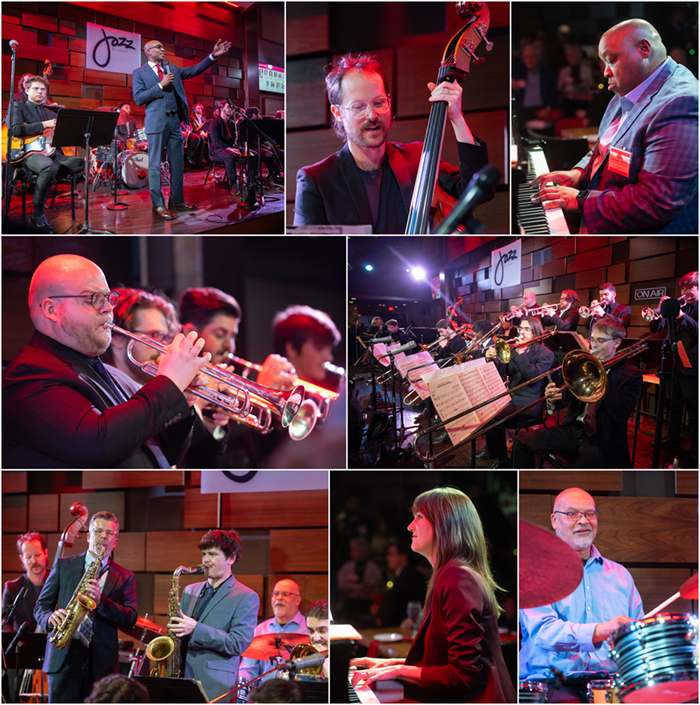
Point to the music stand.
(29, 653)
(173, 690)
(83, 127)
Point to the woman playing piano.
(456, 656)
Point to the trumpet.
(249, 403)
(584, 375)
(585, 311)
(540, 310)
(653, 314)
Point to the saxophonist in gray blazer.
(218, 617)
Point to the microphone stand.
(8, 123)
(670, 345)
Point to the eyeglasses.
(157, 335)
(97, 299)
(360, 110)
(600, 341)
(575, 516)
(99, 532)
(277, 593)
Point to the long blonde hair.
(458, 537)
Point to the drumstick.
(671, 599)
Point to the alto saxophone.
(165, 650)
(78, 607)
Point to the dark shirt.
(223, 134)
(687, 334)
(25, 608)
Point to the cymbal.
(689, 589)
(549, 569)
(145, 630)
(267, 646)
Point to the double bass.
(456, 62)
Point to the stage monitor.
(271, 78)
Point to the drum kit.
(656, 656)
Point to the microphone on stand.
(13, 45)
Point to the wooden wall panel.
(299, 550)
(687, 482)
(100, 480)
(201, 510)
(274, 509)
(79, 546)
(14, 513)
(163, 583)
(656, 585)
(663, 267)
(306, 35)
(94, 501)
(43, 512)
(131, 550)
(588, 260)
(14, 481)
(254, 582)
(641, 247)
(590, 279)
(595, 481)
(10, 557)
(593, 242)
(536, 508)
(166, 550)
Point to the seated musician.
(566, 318)
(317, 625)
(481, 328)
(267, 152)
(569, 635)
(95, 421)
(607, 307)
(452, 343)
(196, 144)
(31, 118)
(642, 175)
(525, 364)
(595, 432)
(223, 144)
(684, 381)
(398, 335)
(370, 181)
(126, 126)
(456, 655)
(285, 600)
(378, 329)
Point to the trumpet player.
(93, 650)
(525, 363)
(62, 407)
(517, 313)
(566, 317)
(452, 344)
(594, 433)
(218, 617)
(684, 384)
(608, 307)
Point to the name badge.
(619, 161)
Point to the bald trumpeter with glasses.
(61, 406)
(568, 636)
(370, 180)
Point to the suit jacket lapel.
(217, 598)
(355, 185)
(403, 176)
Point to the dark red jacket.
(458, 646)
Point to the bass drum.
(134, 168)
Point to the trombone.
(249, 403)
(584, 376)
(653, 314)
(505, 348)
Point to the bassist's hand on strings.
(451, 93)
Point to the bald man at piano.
(642, 174)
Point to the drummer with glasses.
(567, 637)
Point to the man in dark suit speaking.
(158, 85)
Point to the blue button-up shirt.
(250, 668)
(561, 634)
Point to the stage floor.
(218, 212)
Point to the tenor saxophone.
(78, 607)
(165, 650)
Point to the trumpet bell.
(292, 405)
(585, 376)
(304, 421)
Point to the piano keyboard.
(361, 693)
(533, 219)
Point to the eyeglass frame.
(600, 341)
(107, 532)
(284, 593)
(157, 335)
(579, 514)
(107, 298)
(364, 113)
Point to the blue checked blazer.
(660, 195)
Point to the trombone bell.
(585, 376)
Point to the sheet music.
(380, 352)
(456, 389)
(416, 360)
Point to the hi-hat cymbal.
(549, 569)
(145, 630)
(267, 646)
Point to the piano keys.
(532, 218)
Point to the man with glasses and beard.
(568, 636)
(370, 180)
(62, 408)
(595, 432)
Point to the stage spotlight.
(369, 267)
(418, 273)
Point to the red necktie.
(161, 75)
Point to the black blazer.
(59, 413)
(117, 610)
(458, 645)
(619, 312)
(523, 367)
(25, 609)
(27, 120)
(332, 192)
(219, 135)
(569, 321)
(687, 334)
(612, 412)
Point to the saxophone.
(165, 650)
(78, 607)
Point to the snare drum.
(532, 692)
(602, 691)
(134, 168)
(657, 659)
